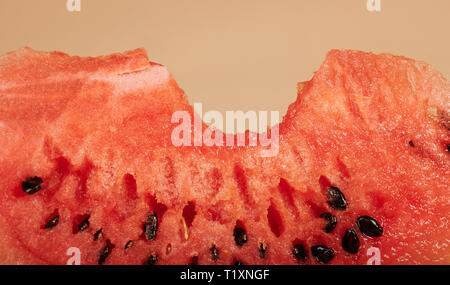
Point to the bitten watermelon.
(87, 162)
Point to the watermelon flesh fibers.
(97, 131)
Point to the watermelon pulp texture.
(97, 132)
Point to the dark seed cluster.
(330, 222)
(32, 185)
(321, 253)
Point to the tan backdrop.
(233, 54)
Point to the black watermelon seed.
(194, 260)
(322, 253)
(214, 253)
(98, 235)
(350, 241)
(52, 222)
(299, 252)
(448, 147)
(262, 249)
(151, 226)
(152, 260)
(129, 244)
(104, 253)
(238, 263)
(31, 185)
(240, 236)
(411, 143)
(84, 224)
(331, 222)
(369, 226)
(336, 198)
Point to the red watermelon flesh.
(97, 131)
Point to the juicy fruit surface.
(97, 132)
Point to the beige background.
(233, 54)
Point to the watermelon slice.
(88, 166)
